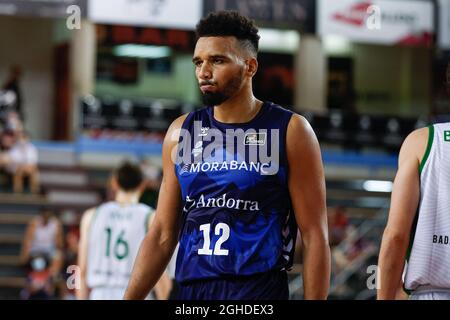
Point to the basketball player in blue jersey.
(240, 178)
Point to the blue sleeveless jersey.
(237, 218)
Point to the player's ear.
(252, 66)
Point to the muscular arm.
(160, 242)
(307, 190)
(164, 285)
(82, 293)
(404, 202)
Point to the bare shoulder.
(173, 132)
(418, 135)
(415, 144)
(171, 140)
(298, 123)
(87, 217)
(299, 132)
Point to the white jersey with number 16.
(115, 234)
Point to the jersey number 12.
(221, 229)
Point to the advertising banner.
(378, 21)
(444, 24)
(41, 8)
(177, 14)
(295, 14)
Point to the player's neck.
(238, 109)
(126, 198)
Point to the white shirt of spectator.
(44, 240)
(22, 153)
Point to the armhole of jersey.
(429, 145)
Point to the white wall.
(28, 42)
(311, 76)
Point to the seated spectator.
(21, 161)
(44, 238)
(40, 284)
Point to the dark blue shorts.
(264, 286)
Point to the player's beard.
(220, 96)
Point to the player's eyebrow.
(218, 56)
(214, 56)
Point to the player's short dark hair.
(230, 23)
(129, 176)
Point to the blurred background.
(85, 84)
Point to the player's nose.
(205, 72)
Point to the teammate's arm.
(404, 202)
(82, 293)
(307, 190)
(160, 242)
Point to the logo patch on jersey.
(185, 168)
(252, 139)
(203, 132)
(189, 203)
